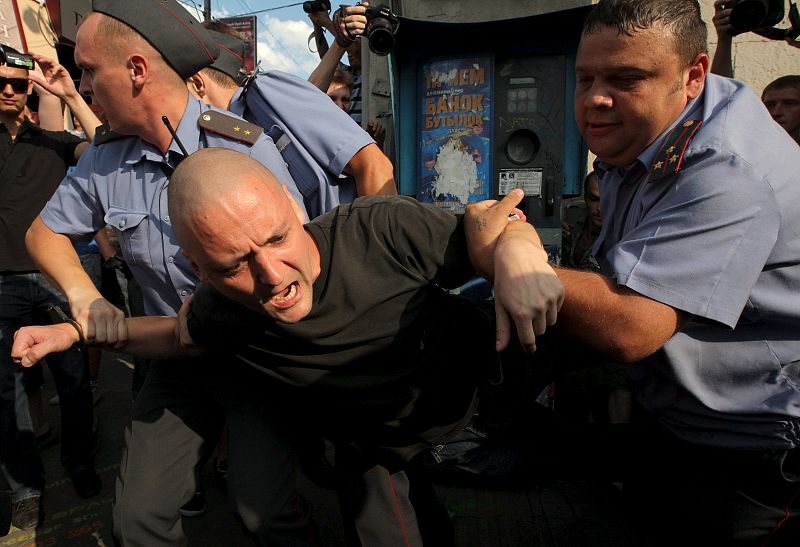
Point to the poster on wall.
(455, 131)
(10, 28)
(246, 27)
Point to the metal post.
(207, 11)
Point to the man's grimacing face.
(628, 91)
(253, 249)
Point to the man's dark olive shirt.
(31, 168)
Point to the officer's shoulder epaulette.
(104, 134)
(669, 158)
(229, 126)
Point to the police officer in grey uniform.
(700, 254)
(331, 158)
(135, 57)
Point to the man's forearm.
(323, 74)
(613, 319)
(56, 258)
(84, 114)
(372, 171)
(156, 338)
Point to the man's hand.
(722, 19)
(54, 78)
(377, 132)
(322, 19)
(102, 322)
(484, 221)
(32, 344)
(526, 289)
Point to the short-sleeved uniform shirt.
(320, 138)
(355, 359)
(31, 167)
(123, 183)
(720, 240)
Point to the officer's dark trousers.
(687, 494)
(177, 418)
(24, 299)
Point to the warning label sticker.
(530, 180)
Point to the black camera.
(13, 58)
(749, 15)
(381, 27)
(316, 5)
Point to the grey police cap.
(180, 38)
(231, 55)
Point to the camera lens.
(381, 37)
(748, 15)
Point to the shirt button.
(166, 218)
(184, 293)
(171, 259)
(122, 223)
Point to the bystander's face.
(591, 195)
(253, 249)
(784, 107)
(340, 94)
(104, 77)
(12, 102)
(630, 89)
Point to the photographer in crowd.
(781, 96)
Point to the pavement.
(546, 512)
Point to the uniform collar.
(238, 104)
(188, 132)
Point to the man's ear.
(696, 76)
(139, 69)
(197, 85)
(295, 207)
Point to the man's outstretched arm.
(150, 337)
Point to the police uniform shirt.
(123, 183)
(320, 138)
(717, 239)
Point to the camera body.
(749, 15)
(381, 27)
(313, 6)
(13, 58)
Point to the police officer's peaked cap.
(231, 55)
(180, 38)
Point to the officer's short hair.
(115, 36)
(214, 74)
(792, 81)
(681, 17)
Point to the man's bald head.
(214, 178)
(243, 233)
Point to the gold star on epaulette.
(658, 165)
(670, 149)
(230, 126)
(688, 123)
(674, 158)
